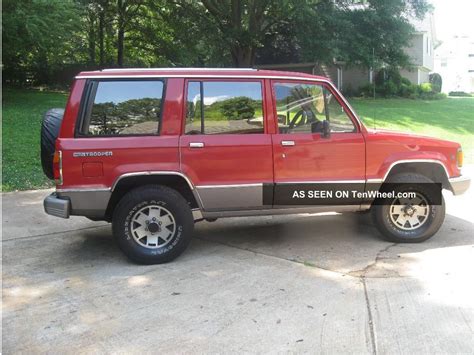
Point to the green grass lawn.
(21, 123)
(451, 119)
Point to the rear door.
(225, 149)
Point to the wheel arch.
(433, 169)
(174, 180)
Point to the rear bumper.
(460, 184)
(57, 206)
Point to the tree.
(37, 35)
(126, 12)
(243, 24)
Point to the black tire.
(155, 197)
(49, 132)
(435, 217)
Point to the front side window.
(124, 108)
(302, 108)
(224, 107)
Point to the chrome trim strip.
(227, 186)
(174, 69)
(84, 190)
(147, 173)
(374, 181)
(323, 182)
(280, 77)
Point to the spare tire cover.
(49, 132)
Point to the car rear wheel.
(409, 220)
(152, 224)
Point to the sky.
(453, 17)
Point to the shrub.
(436, 82)
(426, 88)
(407, 90)
(389, 83)
(389, 89)
(366, 90)
(459, 94)
(348, 91)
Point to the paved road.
(306, 283)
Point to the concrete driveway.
(305, 283)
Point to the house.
(345, 76)
(454, 61)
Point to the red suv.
(154, 150)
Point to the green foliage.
(389, 83)
(49, 41)
(449, 119)
(459, 94)
(23, 111)
(38, 37)
(238, 108)
(426, 88)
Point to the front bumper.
(56, 206)
(460, 184)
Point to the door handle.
(288, 143)
(196, 145)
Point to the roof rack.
(183, 69)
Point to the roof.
(196, 72)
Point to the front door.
(302, 152)
(225, 149)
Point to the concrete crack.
(305, 263)
(373, 343)
(363, 272)
(52, 234)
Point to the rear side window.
(129, 107)
(224, 107)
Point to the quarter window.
(124, 108)
(223, 107)
(301, 108)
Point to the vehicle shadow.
(346, 243)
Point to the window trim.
(87, 101)
(223, 79)
(352, 118)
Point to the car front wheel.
(152, 224)
(409, 220)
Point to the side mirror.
(317, 127)
(326, 133)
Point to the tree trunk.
(120, 33)
(101, 37)
(243, 57)
(91, 39)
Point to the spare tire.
(49, 132)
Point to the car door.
(225, 149)
(302, 153)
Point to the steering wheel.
(294, 122)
